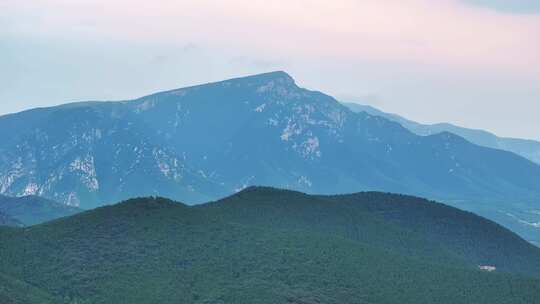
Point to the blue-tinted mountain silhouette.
(527, 148)
(203, 142)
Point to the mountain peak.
(275, 75)
(275, 78)
(266, 190)
(149, 203)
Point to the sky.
(475, 63)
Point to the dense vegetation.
(13, 291)
(269, 246)
(409, 225)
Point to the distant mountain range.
(522, 216)
(203, 142)
(6, 220)
(529, 149)
(266, 245)
(31, 210)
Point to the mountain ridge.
(32, 210)
(527, 148)
(7, 220)
(199, 143)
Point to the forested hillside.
(265, 245)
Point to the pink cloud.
(443, 32)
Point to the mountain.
(409, 225)
(529, 149)
(520, 215)
(265, 245)
(6, 220)
(31, 210)
(204, 142)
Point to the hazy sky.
(471, 62)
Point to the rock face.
(200, 143)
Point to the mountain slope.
(207, 141)
(149, 250)
(31, 210)
(529, 149)
(519, 214)
(409, 225)
(13, 291)
(6, 220)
